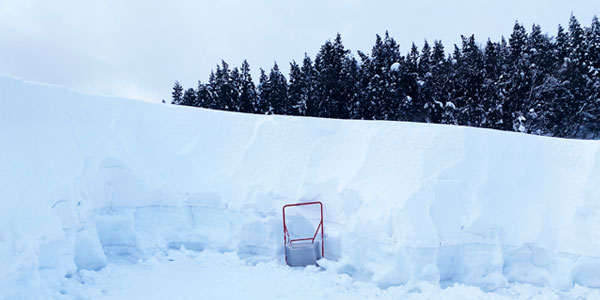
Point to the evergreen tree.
(350, 87)
(296, 90)
(437, 83)
(469, 74)
(223, 89)
(262, 106)
(234, 79)
(514, 82)
(593, 44)
(203, 96)
(212, 100)
(577, 74)
(189, 97)
(571, 109)
(309, 105)
(273, 92)
(278, 100)
(411, 107)
(247, 90)
(454, 89)
(555, 104)
(380, 76)
(541, 86)
(177, 93)
(593, 86)
(490, 100)
(561, 46)
(425, 83)
(331, 93)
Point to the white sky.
(138, 48)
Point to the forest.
(530, 82)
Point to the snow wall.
(88, 180)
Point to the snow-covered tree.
(309, 104)
(203, 96)
(177, 93)
(531, 83)
(273, 92)
(247, 90)
(223, 89)
(380, 79)
(189, 97)
(331, 91)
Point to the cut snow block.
(89, 254)
(302, 254)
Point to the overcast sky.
(137, 49)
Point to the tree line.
(532, 82)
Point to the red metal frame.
(286, 235)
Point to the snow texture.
(214, 275)
(93, 184)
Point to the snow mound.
(88, 181)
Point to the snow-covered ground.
(214, 275)
(98, 195)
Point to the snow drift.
(88, 180)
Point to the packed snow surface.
(213, 275)
(99, 193)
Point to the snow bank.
(88, 180)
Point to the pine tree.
(309, 105)
(234, 80)
(331, 92)
(224, 93)
(492, 70)
(514, 82)
(578, 77)
(350, 87)
(212, 101)
(380, 76)
(203, 96)
(411, 107)
(273, 92)
(296, 90)
(278, 99)
(425, 83)
(189, 97)
(572, 75)
(262, 107)
(470, 76)
(593, 85)
(437, 83)
(554, 106)
(561, 45)
(454, 88)
(593, 43)
(177, 93)
(541, 85)
(247, 90)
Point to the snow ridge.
(91, 180)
